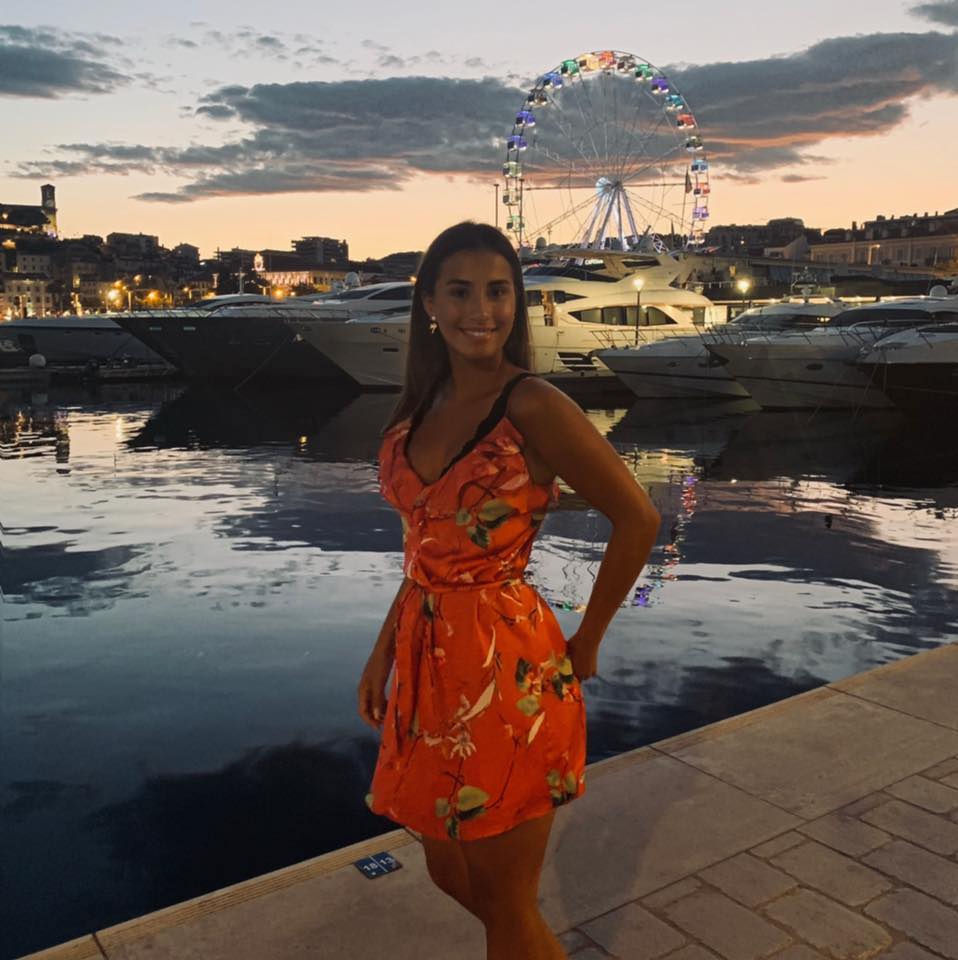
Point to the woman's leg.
(503, 874)
(446, 864)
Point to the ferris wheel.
(605, 154)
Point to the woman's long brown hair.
(427, 360)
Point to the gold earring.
(433, 326)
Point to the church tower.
(49, 204)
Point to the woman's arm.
(560, 437)
(372, 685)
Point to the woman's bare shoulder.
(534, 401)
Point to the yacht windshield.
(778, 321)
(893, 316)
(575, 273)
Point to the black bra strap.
(497, 412)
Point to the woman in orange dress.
(484, 728)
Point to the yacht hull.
(78, 343)
(682, 371)
(232, 347)
(801, 378)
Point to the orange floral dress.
(485, 725)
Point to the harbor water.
(193, 578)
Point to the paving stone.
(662, 898)
(748, 880)
(589, 953)
(951, 780)
(632, 931)
(798, 952)
(918, 686)
(905, 951)
(833, 873)
(925, 793)
(83, 948)
(832, 928)
(846, 834)
(859, 807)
(726, 927)
(772, 847)
(920, 918)
(818, 751)
(692, 952)
(943, 769)
(573, 940)
(926, 829)
(649, 824)
(918, 867)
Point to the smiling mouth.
(477, 331)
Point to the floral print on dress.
(485, 724)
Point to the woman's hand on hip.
(372, 688)
(583, 651)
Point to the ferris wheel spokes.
(620, 131)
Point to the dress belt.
(456, 587)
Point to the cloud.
(799, 178)
(46, 63)
(350, 135)
(771, 115)
(945, 12)
(767, 113)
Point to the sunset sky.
(247, 125)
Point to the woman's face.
(474, 303)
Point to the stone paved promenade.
(824, 826)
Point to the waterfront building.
(39, 220)
(25, 295)
(286, 270)
(785, 238)
(322, 250)
(916, 241)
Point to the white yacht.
(576, 306)
(818, 368)
(918, 368)
(378, 298)
(682, 367)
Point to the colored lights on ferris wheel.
(637, 186)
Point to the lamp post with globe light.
(744, 285)
(638, 283)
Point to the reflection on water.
(193, 579)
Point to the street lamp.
(744, 285)
(638, 283)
